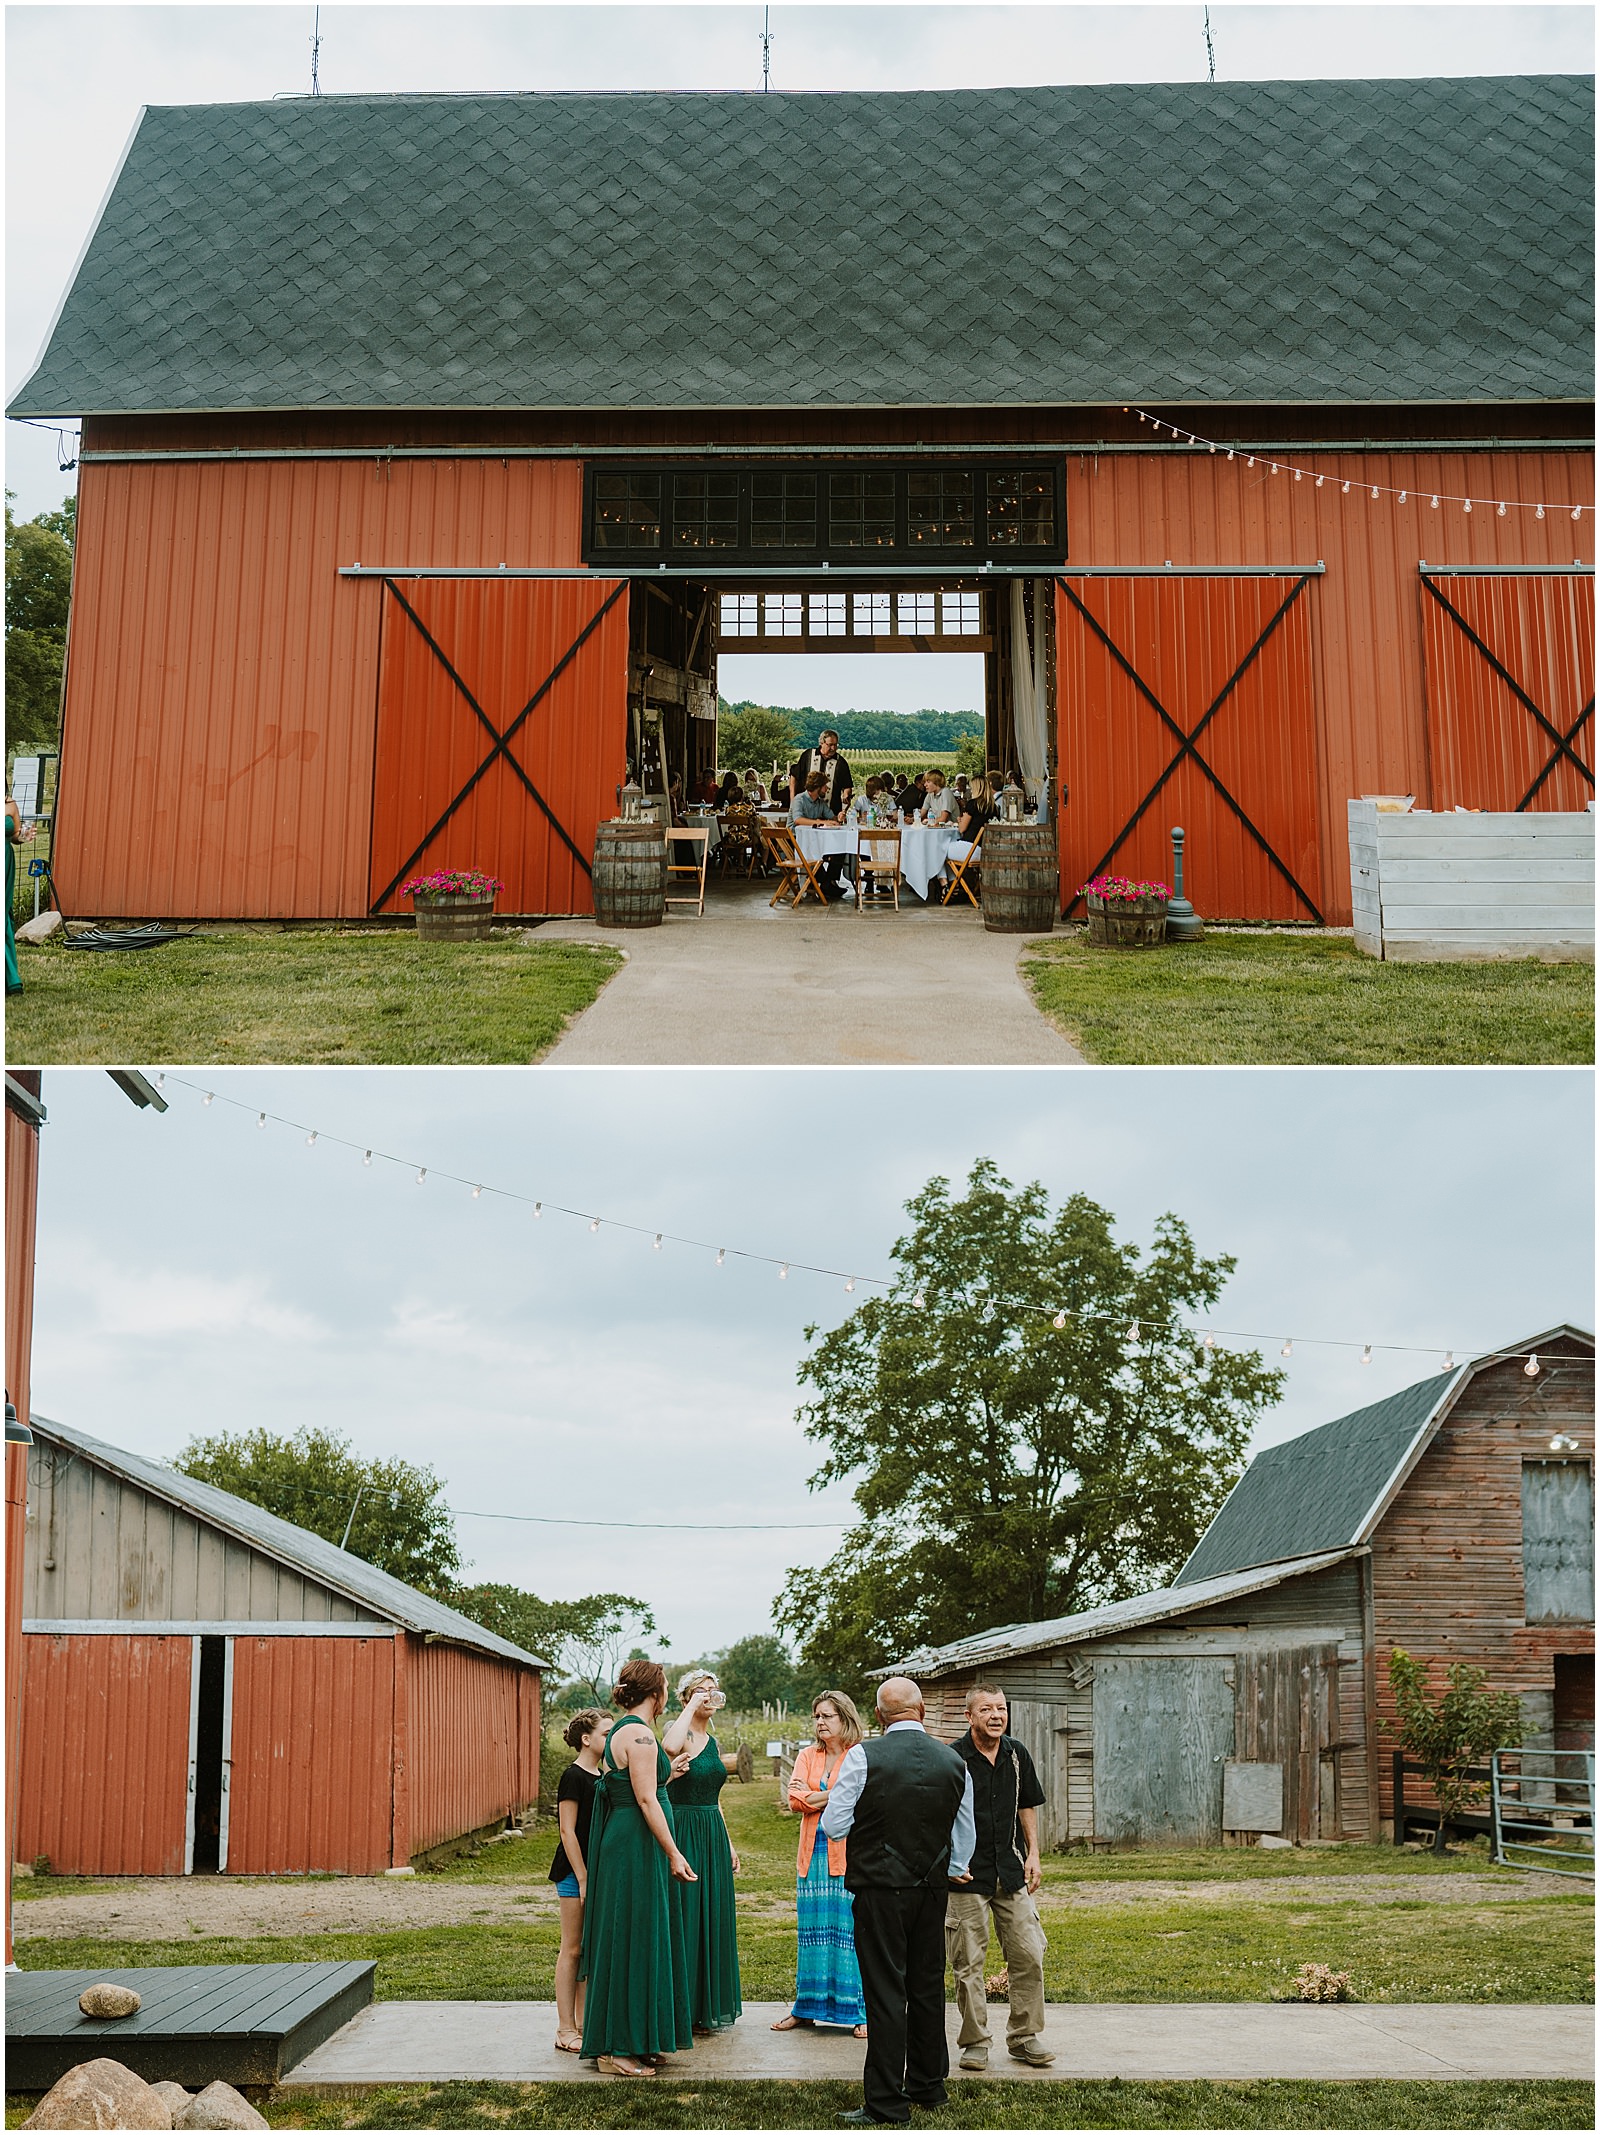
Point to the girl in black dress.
(586, 1733)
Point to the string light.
(993, 1306)
(311, 1139)
(849, 1288)
(1378, 489)
(161, 1082)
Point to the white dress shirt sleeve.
(963, 1834)
(851, 1777)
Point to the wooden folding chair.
(958, 871)
(796, 874)
(681, 834)
(878, 860)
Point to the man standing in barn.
(825, 758)
(1006, 1796)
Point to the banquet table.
(923, 847)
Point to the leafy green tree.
(970, 756)
(401, 1523)
(38, 588)
(751, 734)
(581, 1640)
(1008, 1469)
(757, 1671)
(1448, 1737)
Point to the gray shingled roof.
(1316, 1491)
(1312, 242)
(984, 1648)
(390, 1599)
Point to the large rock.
(40, 929)
(100, 2094)
(219, 2105)
(108, 1999)
(174, 2096)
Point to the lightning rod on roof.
(316, 50)
(766, 50)
(1211, 50)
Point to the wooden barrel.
(453, 918)
(630, 875)
(1021, 882)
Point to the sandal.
(610, 2064)
(791, 2022)
(569, 2041)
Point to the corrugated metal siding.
(22, 1202)
(504, 643)
(105, 1753)
(119, 1553)
(473, 1755)
(1207, 510)
(217, 750)
(313, 1733)
(1486, 748)
(1186, 640)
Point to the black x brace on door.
(500, 742)
(1187, 739)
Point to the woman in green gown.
(710, 1941)
(636, 2003)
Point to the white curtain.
(1029, 712)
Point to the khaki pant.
(966, 1944)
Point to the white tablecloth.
(923, 847)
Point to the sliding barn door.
(1189, 701)
(502, 734)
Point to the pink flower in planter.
(1117, 889)
(453, 882)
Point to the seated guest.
(936, 803)
(811, 807)
(979, 809)
(675, 798)
(729, 791)
(754, 792)
(779, 789)
(959, 782)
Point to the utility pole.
(766, 50)
(1211, 50)
(316, 49)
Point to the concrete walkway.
(513, 2042)
(824, 986)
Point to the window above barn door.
(1557, 1541)
(839, 514)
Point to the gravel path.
(164, 1911)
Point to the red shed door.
(502, 734)
(1189, 701)
(105, 1724)
(312, 1775)
(1510, 680)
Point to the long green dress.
(636, 2000)
(707, 1906)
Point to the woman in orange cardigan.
(827, 1980)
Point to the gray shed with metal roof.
(207, 1687)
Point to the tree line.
(760, 734)
(38, 589)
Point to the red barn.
(433, 446)
(205, 1687)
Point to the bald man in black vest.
(906, 1802)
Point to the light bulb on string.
(1251, 461)
(920, 1301)
(1538, 511)
(261, 1119)
(422, 1176)
(1366, 1353)
(1135, 1332)
(657, 1241)
(1230, 452)
(594, 1225)
(1375, 491)
(1433, 503)
(783, 1272)
(1499, 511)
(722, 1254)
(161, 1081)
(209, 1098)
(1059, 1321)
(849, 1288)
(1530, 1370)
(1344, 489)
(1288, 1347)
(1449, 1363)
(1297, 475)
(1321, 478)
(477, 1193)
(1466, 504)
(1210, 1342)
(1404, 494)
(366, 1157)
(311, 1139)
(1577, 512)
(538, 1210)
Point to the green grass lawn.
(301, 996)
(1307, 999)
(974, 2103)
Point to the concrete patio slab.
(824, 986)
(514, 2042)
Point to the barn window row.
(846, 615)
(799, 514)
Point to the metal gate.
(1187, 698)
(1508, 660)
(1163, 1729)
(502, 722)
(1542, 1806)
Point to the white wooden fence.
(1428, 888)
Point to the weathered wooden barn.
(205, 1687)
(1455, 1519)
(433, 446)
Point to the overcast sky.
(196, 1273)
(78, 74)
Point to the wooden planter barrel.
(454, 918)
(1021, 881)
(630, 875)
(1128, 926)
